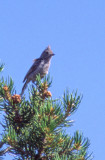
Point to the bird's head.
(47, 53)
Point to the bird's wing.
(33, 68)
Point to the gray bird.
(40, 66)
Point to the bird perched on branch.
(40, 66)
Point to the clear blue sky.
(76, 32)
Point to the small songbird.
(40, 66)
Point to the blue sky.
(75, 30)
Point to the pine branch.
(2, 152)
(33, 128)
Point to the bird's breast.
(44, 67)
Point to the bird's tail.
(24, 87)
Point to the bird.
(40, 66)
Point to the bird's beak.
(53, 54)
